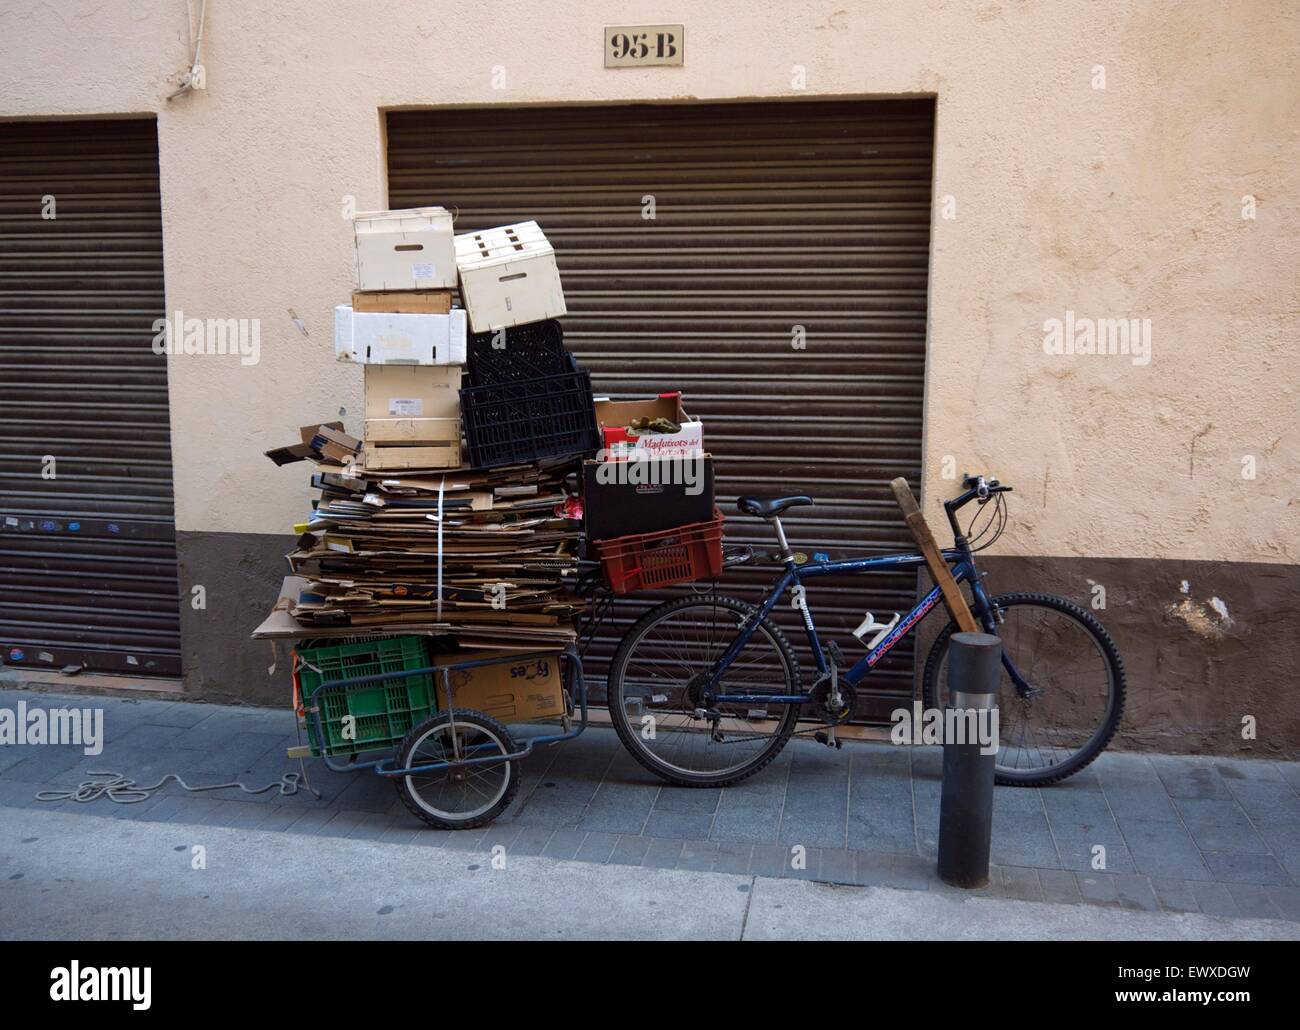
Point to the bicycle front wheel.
(1077, 681)
(655, 700)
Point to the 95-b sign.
(639, 46)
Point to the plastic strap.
(441, 483)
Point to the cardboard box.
(408, 302)
(394, 338)
(444, 454)
(335, 444)
(411, 430)
(509, 691)
(508, 276)
(615, 416)
(641, 495)
(412, 391)
(405, 250)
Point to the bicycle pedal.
(837, 656)
(825, 738)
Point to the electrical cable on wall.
(195, 77)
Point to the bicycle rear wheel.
(1065, 655)
(655, 703)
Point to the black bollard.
(966, 808)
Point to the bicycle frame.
(960, 558)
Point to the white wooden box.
(391, 338)
(405, 250)
(508, 277)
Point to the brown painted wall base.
(1195, 668)
(241, 575)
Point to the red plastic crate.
(646, 561)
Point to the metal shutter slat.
(78, 380)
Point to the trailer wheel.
(459, 797)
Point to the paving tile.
(804, 863)
(1287, 901)
(911, 872)
(552, 816)
(341, 825)
(1247, 769)
(681, 825)
(1021, 884)
(501, 835)
(1220, 825)
(597, 847)
(881, 810)
(276, 818)
(629, 850)
(1186, 777)
(698, 855)
(531, 840)
(1134, 891)
(398, 832)
(1097, 888)
(234, 814)
(769, 859)
(687, 799)
(1024, 840)
(838, 866)
(1242, 867)
(564, 843)
(1076, 842)
(1254, 901)
(1289, 771)
(873, 869)
(371, 826)
(747, 818)
(619, 808)
(1175, 895)
(662, 853)
(1214, 899)
(1167, 850)
(1142, 808)
(1059, 886)
(732, 857)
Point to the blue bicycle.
(705, 690)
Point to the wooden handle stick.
(952, 595)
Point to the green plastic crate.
(384, 710)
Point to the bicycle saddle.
(766, 508)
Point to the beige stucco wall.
(1116, 202)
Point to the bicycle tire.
(425, 811)
(1105, 731)
(627, 733)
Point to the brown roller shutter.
(767, 216)
(88, 557)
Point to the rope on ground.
(118, 788)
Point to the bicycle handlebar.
(975, 488)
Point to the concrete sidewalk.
(1198, 835)
(139, 881)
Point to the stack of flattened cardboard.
(484, 556)
(481, 555)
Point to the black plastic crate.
(531, 351)
(546, 417)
